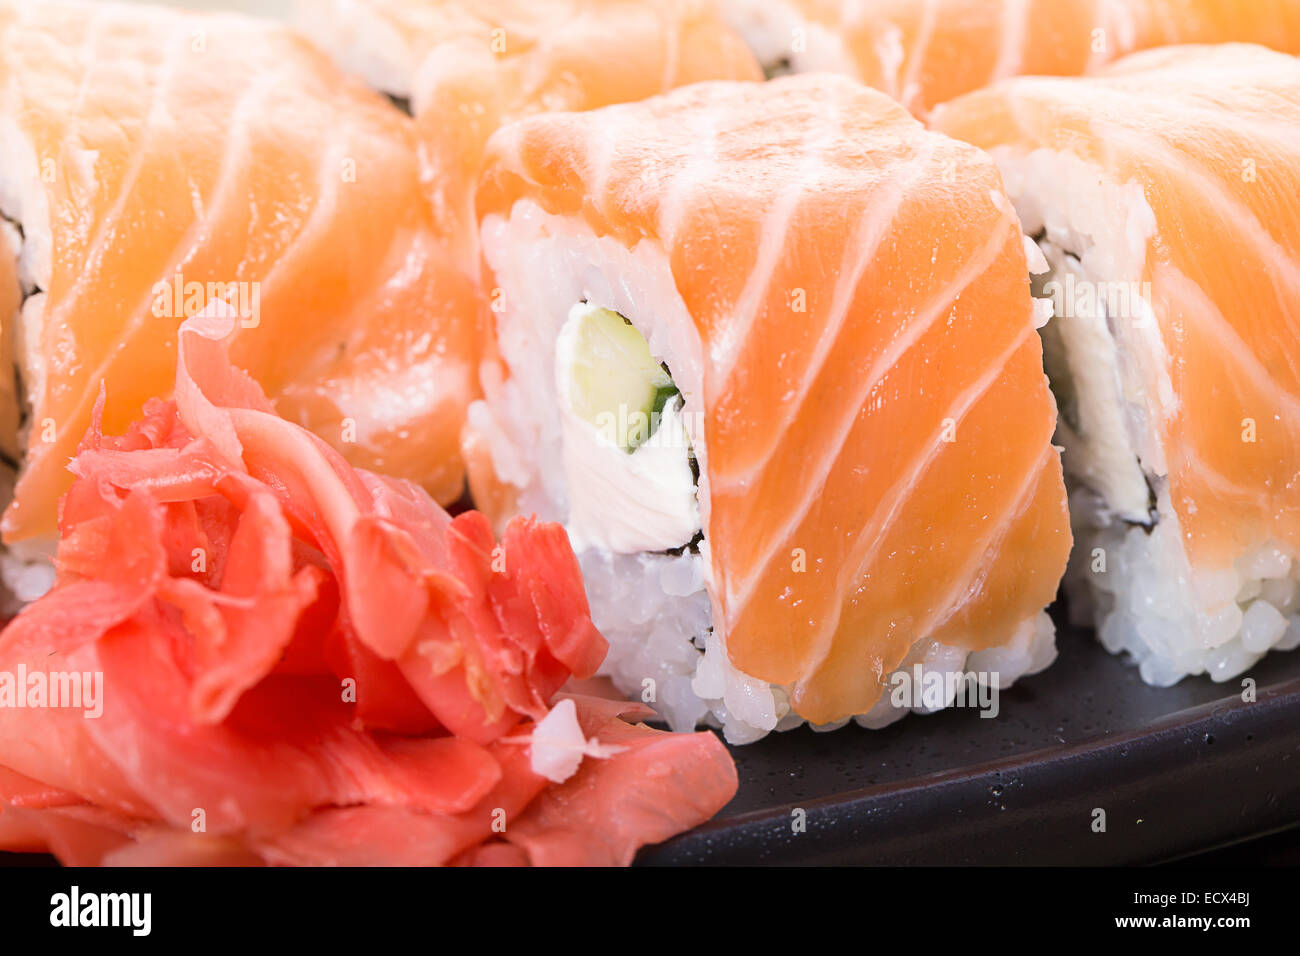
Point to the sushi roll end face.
(627, 455)
(1172, 369)
(702, 406)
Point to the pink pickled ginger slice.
(304, 663)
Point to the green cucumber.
(615, 380)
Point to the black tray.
(1178, 770)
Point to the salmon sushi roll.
(1164, 194)
(556, 54)
(923, 52)
(464, 68)
(768, 351)
(154, 160)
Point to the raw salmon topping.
(285, 659)
(160, 159)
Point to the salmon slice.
(1172, 178)
(923, 52)
(841, 299)
(159, 159)
(522, 58)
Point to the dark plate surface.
(1178, 771)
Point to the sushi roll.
(768, 351)
(922, 52)
(1163, 194)
(155, 160)
(464, 69)
(556, 54)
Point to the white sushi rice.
(656, 609)
(26, 572)
(26, 568)
(1171, 619)
(1129, 572)
(784, 42)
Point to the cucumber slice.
(614, 380)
